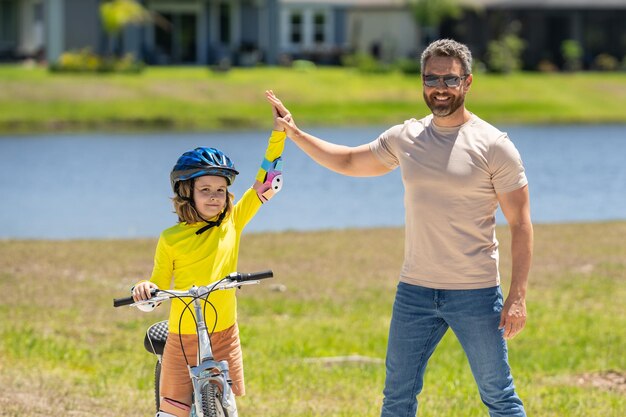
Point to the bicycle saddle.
(156, 335)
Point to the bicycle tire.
(157, 383)
(212, 401)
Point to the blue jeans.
(421, 316)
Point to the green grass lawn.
(64, 350)
(194, 98)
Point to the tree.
(117, 14)
(572, 54)
(504, 54)
(429, 14)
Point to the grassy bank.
(198, 99)
(65, 351)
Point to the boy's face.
(209, 195)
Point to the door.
(8, 27)
(558, 31)
(176, 43)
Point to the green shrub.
(478, 66)
(504, 55)
(409, 66)
(303, 65)
(366, 63)
(605, 62)
(545, 65)
(87, 61)
(572, 54)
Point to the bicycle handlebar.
(230, 281)
(253, 276)
(125, 301)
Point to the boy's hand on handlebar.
(143, 289)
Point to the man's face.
(442, 100)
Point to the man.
(456, 169)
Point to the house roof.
(501, 4)
(550, 4)
(350, 3)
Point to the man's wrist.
(517, 292)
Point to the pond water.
(62, 186)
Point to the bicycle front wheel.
(212, 401)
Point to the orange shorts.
(175, 381)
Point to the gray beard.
(444, 111)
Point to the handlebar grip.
(124, 301)
(119, 302)
(255, 275)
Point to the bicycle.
(212, 395)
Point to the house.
(192, 31)
(323, 30)
(21, 28)
(597, 26)
(244, 32)
(207, 31)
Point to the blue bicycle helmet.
(200, 162)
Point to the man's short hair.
(449, 48)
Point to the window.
(295, 28)
(306, 28)
(38, 12)
(319, 28)
(225, 13)
(177, 44)
(8, 19)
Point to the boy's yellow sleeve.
(275, 147)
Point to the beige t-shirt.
(451, 177)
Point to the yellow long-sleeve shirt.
(184, 259)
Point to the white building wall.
(394, 30)
(31, 34)
(308, 12)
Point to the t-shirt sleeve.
(246, 208)
(384, 149)
(163, 265)
(507, 170)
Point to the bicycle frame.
(208, 370)
(203, 373)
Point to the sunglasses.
(450, 80)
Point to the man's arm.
(356, 161)
(516, 208)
